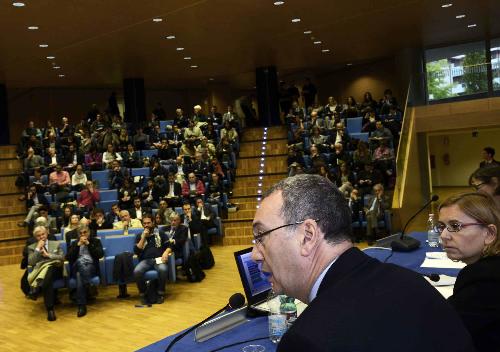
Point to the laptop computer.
(254, 282)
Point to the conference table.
(258, 327)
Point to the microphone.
(405, 243)
(236, 301)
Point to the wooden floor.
(116, 325)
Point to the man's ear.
(311, 237)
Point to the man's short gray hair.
(39, 228)
(315, 197)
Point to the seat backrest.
(149, 153)
(215, 209)
(361, 136)
(102, 178)
(140, 171)
(117, 244)
(354, 124)
(106, 205)
(107, 195)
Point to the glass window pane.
(455, 71)
(495, 63)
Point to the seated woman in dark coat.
(468, 224)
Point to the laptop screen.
(254, 282)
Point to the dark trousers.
(146, 265)
(49, 294)
(84, 272)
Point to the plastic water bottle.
(277, 320)
(432, 234)
(289, 309)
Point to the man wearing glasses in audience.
(303, 239)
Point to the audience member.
(126, 222)
(488, 158)
(375, 211)
(34, 200)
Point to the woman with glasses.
(468, 225)
(487, 180)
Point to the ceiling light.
(170, 37)
(472, 25)
(295, 20)
(447, 5)
(18, 4)
(349, 64)
(325, 50)
(317, 42)
(210, 79)
(33, 28)
(194, 66)
(56, 67)
(179, 49)
(187, 58)
(278, 3)
(157, 19)
(308, 32)
(51, 57)
(43, 45)
(61, 75)
(459, 16)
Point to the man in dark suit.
(34, 200)
(206, 216)
(191, 219)
(489, 158)
(176, 234)
(138, 210)
(174, 191)
(377, 203)
(355, 303)
(114, 214)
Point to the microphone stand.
(405, 243)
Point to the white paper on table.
(444, 280)
(440, 260)
(446, 291)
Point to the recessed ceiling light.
(51, 57)
(349, 64)
(447, 5)
(295, 20)
(56, 67)
(460, 16)
(472, 25)
(18, 4)
(308, 32)
(187, 58)
(278, 3)
(179, 49)
(325, 50)
(170, 36)
(61, 75)
(317, 42)
(210, 79)
(194, 66)
(33, 28)
(43, 45)
(157, 19)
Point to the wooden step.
(12, 248)
(10, 200)
(247, 204)
(271, 169)
(13, 233)
(7, 151)
(233, 241)
(242, 214)
(10, 223)
(10, 166)
(239, 232)
(237, 223)
(10, 259)
(7, 183)
(257, 133)
(254, 149)
(14, 209)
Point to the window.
(495, 63)
(456, 71)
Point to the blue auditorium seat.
(102, 178)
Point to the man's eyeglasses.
(257, 238)
(478, 186)
(454, 226)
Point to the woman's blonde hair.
(482, 208)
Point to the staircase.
(12, 210)
(238, 226)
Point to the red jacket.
(200, 188)
(88, 199)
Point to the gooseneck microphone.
(236, 301)
(405, 243)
